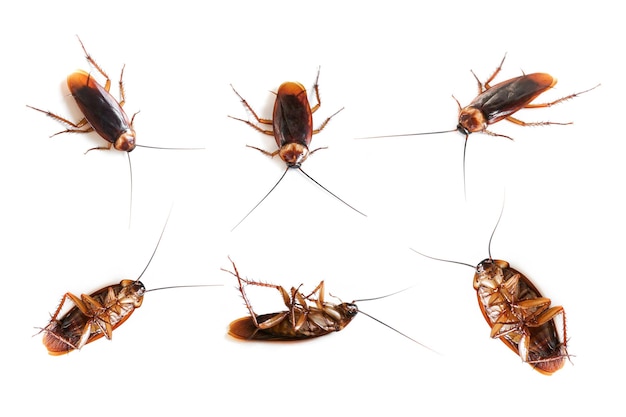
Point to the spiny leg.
(263, 151)
(522, 123)
(258, 119)
(107, 85)
(316, 89)
(552, 103)
(241, 281)
(77, 126)
(488, 82)
(325, 122)
(100, 148)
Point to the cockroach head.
(462, 130)
(126, 141)
(486, 266)
(350, 309)
(135, 287)
(488, 274)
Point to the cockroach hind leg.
(487, 83)
(560, 100)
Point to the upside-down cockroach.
(97, 314)
(307, 316)
(501, 101)
(292, 128)
(519, 314)
(102, 113)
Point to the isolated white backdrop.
(394, 66)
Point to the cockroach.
(97, 314)
(292, 128)
(102, 113)
(518, 314)
(500, 102)
(307, 316)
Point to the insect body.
(292, 128)
(307, 316)
(97, 314)
(92, 316)
(519, 314)
(500, 102)
(102, 113)
(506, 98)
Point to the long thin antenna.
(398, 331)
(130, 211)
(331, 193)
(157, 246)
(382, 296)
(442, 260)
(464, 181)
(494, 229)
(385, 324)
(170, 149)
(185, 286)
(408, 134)
(263, 199)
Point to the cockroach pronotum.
(501, 101)
(518, 313)
(97, 314)
(292, 128)
(307, 316)
(102, 113)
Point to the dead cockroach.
(519, 314)
(500, 102)
(292, 128)
(97, 314)
(307, 316)
(102, 113)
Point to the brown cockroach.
(307, 316)
(292, 129)
(97, 314)
(102, 113)
(518, 314)
(500, 102)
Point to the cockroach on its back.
(518, 314)
(97, 314)
(92, 316)
(292, 129)
(306, 317)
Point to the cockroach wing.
(292, 119)
(507, 97)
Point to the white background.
(394, 66)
